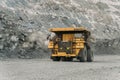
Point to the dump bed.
(70, 29)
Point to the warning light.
(68, 48)
(60, 48)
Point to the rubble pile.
(19, 43)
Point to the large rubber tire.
(83, 55)
(56, 58)
(90, 56)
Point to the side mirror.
(48, 37)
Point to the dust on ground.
(105, 67)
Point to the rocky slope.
(24, 24)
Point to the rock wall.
(24, 24)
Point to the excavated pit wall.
(24, 24)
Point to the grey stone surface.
(106, 67)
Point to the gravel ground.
(105, 67)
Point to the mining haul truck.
(69, 43)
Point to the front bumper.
(63, 54)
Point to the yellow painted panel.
(79, 41)
(77, 51)
(69, 29)
(78, 47)
(62, 29)
(56, 46)
(50, 45)
(64, 54)
(68, 37)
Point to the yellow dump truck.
(69, 43)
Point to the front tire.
(83, 55)
(90, 56)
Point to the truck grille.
(65, 47)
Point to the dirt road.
(103, 68)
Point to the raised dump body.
(69, 43)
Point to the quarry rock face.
(24, 24)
